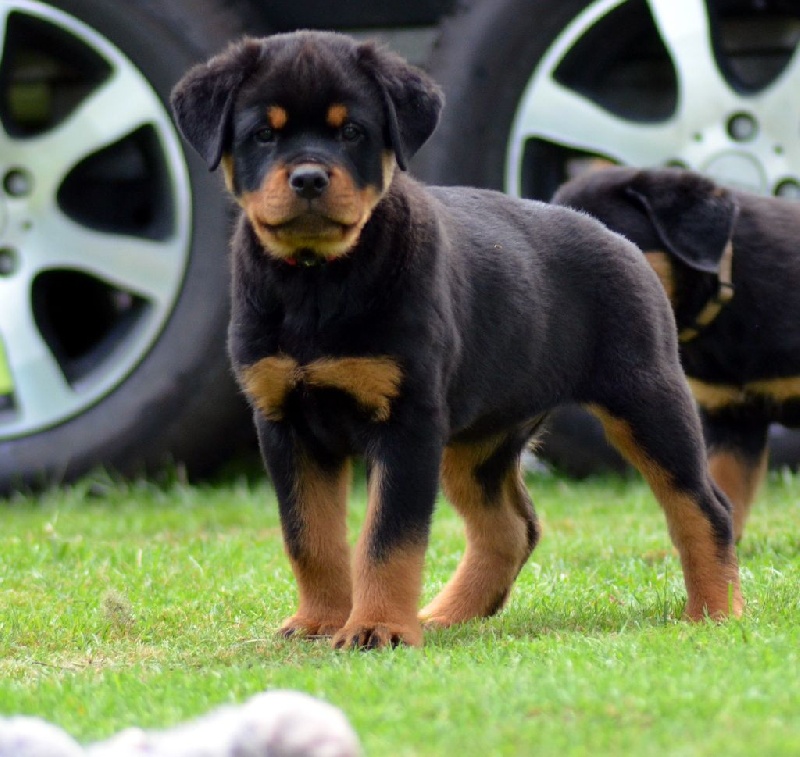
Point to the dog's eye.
(265, 135)
(351, 133)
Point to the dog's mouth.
(308, 226)
(285, 225)
(313, 233)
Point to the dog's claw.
(377, 637)
(305, 628)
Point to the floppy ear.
(412, 100)
(202, 101)
(693, 217)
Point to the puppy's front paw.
(301, 627)
(377, 636)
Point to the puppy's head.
(680, 219)
(308, 128)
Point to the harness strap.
(712, 308)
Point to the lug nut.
(742, 127)
(8, 261)
(789, 189)
(18, 182)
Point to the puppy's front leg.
(312, 497)
(387, 571)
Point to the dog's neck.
(711, 309)
(307, 258)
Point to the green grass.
(134, 604)
(6, 382)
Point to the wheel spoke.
(148, 268)
(40, 236)
(7, 146)
(4, 11)
(560, 115)
(779, 105)
(685, 30)
(116, 109)
(777, 108)
(40, 389)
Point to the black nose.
(309, 182)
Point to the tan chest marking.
(372, 381)
(718, 396)
(268, 382)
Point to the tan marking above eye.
(277, 116)
(336, 116)
(372, 381)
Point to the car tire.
(606, 77)
(112, 333)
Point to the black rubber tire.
(180, 405)
(483, 58)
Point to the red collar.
(306, 259)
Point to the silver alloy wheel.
(49, 234)
(739, 136)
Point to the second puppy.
(729, 263)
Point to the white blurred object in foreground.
(273, 724)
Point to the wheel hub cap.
(706, 116)
(737, 169)
(95, 217)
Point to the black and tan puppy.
(729, 263)
(429, 330)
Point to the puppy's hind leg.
(657, 429)
(484, 484)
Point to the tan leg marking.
(373, 381)
(385, 592)
(740, 480)
(498, 541)
(322, 565)
(709, 572)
